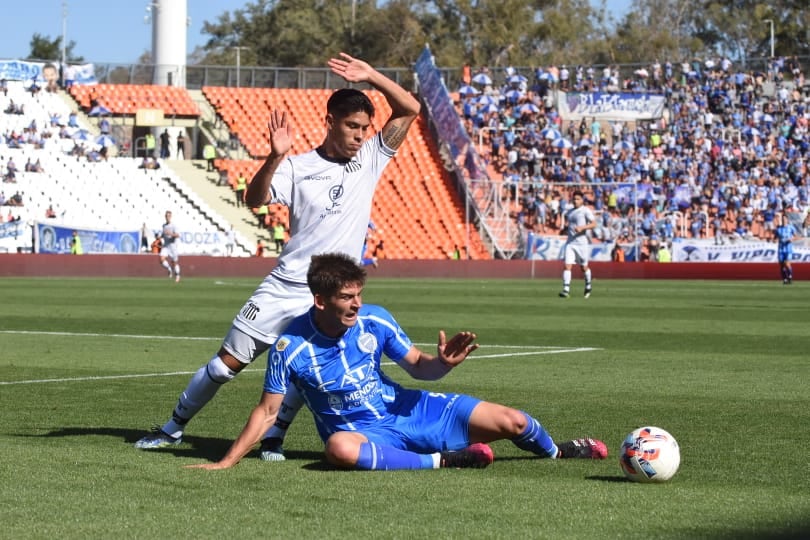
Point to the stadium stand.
(416, 212)
(112, 193)
(730, 153)
(127, 99)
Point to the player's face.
(339, 312)
(577, 201)
(345, 135)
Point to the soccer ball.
(650, 454)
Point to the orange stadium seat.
(126, 99)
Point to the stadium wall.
(146, 266)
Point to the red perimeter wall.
(40, 265)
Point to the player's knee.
(233, 363)
(514, 421)
(219, 372)
(341, 451)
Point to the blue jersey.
(340, 379)
(344, 386)
(785, 234)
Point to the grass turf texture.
(721, 365)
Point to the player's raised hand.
(454, 351)
(351, 69)
(281, 134)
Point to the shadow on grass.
(615, 479)
(209, 448)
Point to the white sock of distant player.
(202, 387)
(286, 414)
(166, 265)
(566, 280)
(176, 269)
(588, 278)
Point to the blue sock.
(535, 439)
(375, 457)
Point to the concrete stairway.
(221, 199)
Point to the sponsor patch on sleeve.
(281, 344)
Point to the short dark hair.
(330, 272)
(578, 192)
(347, 101)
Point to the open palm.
(280, 133)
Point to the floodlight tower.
(169, 37)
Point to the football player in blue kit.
(332, 355)
(785, 233)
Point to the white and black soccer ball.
(650, 454)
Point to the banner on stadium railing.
(551, 248)
(14, 235)
(80, 74)
(21, 70)
(12, 229)
(611, 106)
(57, 239)
(702, 250)
(445, 117)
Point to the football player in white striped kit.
(579, 220)
(169, 259)
(329, 192)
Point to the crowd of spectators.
(728, 156)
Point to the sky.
(105, 31)
(113, 31)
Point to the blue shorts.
(784, 253)
(425, 422)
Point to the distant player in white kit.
(168, 252)
(329, 192)
(578, 221)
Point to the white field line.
(528, 350)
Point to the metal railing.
(198, 76)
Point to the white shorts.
(265, 316)
(577, 254)
(169, 251)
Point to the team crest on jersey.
(335, 402)
(367, 343)
(335, 193)
(281, 344)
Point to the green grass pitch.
(87, 366)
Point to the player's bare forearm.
(257, 425)
(258, 191)
(395, 131)
(450, 353)
(404, 110)
(402, 103)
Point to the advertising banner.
(56, 239)
(611, 106)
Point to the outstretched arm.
(260, 420)
(404, 107)
(258, 191)
(449, 354)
